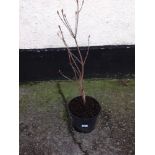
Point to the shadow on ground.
(45, 126)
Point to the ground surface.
(44, 127)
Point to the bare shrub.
(77, 62)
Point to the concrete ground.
(45, 128)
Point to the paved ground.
(44, 125)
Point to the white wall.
(109, 22)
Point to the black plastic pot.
(82, 123)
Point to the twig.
(87, 50)
(81, 6)
(66, 77)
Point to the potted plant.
(83, 109)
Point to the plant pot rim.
(85, 118)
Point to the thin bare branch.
(61, 19)
(87, 49)
(77, 12)
(81, 6)
(66, 77)
(78, 49)
(76, 22)
(63, 39)
(67, 23)
(70, 54)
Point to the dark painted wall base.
(102, 62)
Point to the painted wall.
(109, 22)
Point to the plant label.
(84, 126)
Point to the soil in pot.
(84, 115)
(90, 109)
